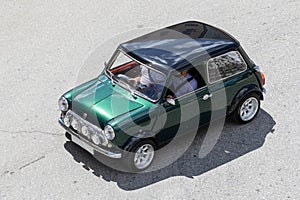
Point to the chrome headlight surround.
(95, 138)
(67, 121)
(86, 131)
(63, 104)
(98, 138)
(109, 132)
(75, 124)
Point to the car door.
(189, 111)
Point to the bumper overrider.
(85, 140)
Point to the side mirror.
(171, 101)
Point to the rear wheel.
(247, 108)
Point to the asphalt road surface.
(44, 46)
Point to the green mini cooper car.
(159, 86)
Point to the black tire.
(240, 113)
(129, 159)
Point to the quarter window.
(225, 65)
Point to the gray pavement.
(43, 46)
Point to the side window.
(184, 82)
(225, 65)
(198, 72)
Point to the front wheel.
(247, 108)
(141, 156)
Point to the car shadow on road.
(234, 142)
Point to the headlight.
(63, 104)
(98, 139)
(75, 124)
(95, 138)
(67, 121)
(109, 132)
(85, 131)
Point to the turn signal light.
(263, 78)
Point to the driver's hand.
(134, 82)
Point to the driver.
(149, 82)
(148, 78)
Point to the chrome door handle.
(207, 96)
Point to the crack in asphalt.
(30, 163)
(33, 131)
(23, 166)
(6, 172)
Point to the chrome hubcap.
(249, 109)
(144, 156)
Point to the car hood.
(101, 102)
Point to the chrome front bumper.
(88, 146)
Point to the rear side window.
(225, 65)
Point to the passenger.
(183, 83)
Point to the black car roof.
(177, 45)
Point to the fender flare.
(244, 91)
(144, 135)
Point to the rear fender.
(244, 91)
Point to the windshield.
(136, 77)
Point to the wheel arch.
(243, 92)
(144, 135)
